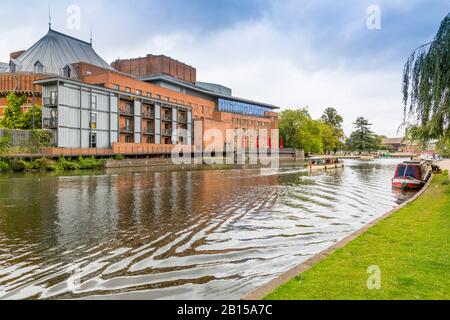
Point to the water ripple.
(185, 235)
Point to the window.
(128, 125)
(241, 108)
(89, 73)
(93, 121)
(128, 139)
(149, 127)
(149, 94)
(128, 90)
(116, 87)
(128, 108)
(94, 102)
(139, 92)
(67, 72)
(38, 67)
(93, 140)
(12, 67)
(53, 97)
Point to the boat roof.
(411, 162)
(323, 157)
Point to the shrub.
(68, 164)
(19, 165)
(4, 143)
(42, 138)
(119, 157)
(43, 164)
(445, 173)
(4, 166)
(90, 163)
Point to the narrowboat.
(325, 163)
(411, 175)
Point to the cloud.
(290, 53)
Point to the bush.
(42, 138)
(68, 164)
(4, 166)
(90, 163)
(119, 157)
(4, 143)
(43, 164)
(445, 173)
(19, 165)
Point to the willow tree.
(426, 88)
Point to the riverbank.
(409, 248)
(44, 164)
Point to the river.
(137, 234)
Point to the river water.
(137, 234)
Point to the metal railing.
(127, 112)
(148, 115)
(127, 129)
(182, 120)
(50, 123)
(50, 101)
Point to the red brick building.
(146, 102)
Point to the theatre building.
(142, 105)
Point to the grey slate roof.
(56, 50)
(4, 67)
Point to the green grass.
(411, 248)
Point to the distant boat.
(367, 158)
(325, 163)
(411, 175)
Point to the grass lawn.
(411, 248)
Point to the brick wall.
(156, 65)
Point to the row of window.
(156, 96)
(246, 122)
(230, 106)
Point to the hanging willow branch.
(426, 87)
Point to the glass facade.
(225, 105)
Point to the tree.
(33, 115)
(363, 139)
(15, 119)
(336, 140)
(300, 131)
(426, 88)
(332, 118)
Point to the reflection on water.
(145, 235)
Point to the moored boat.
(411, 175)
(325, 163)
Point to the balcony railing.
(50, 123)
(148, 115)
(50, 102)
(167, 117)
(182, 119)
(126, 112)
(127, 129)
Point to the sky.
(292, 53)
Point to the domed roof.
(55, 51)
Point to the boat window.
(408, 171)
